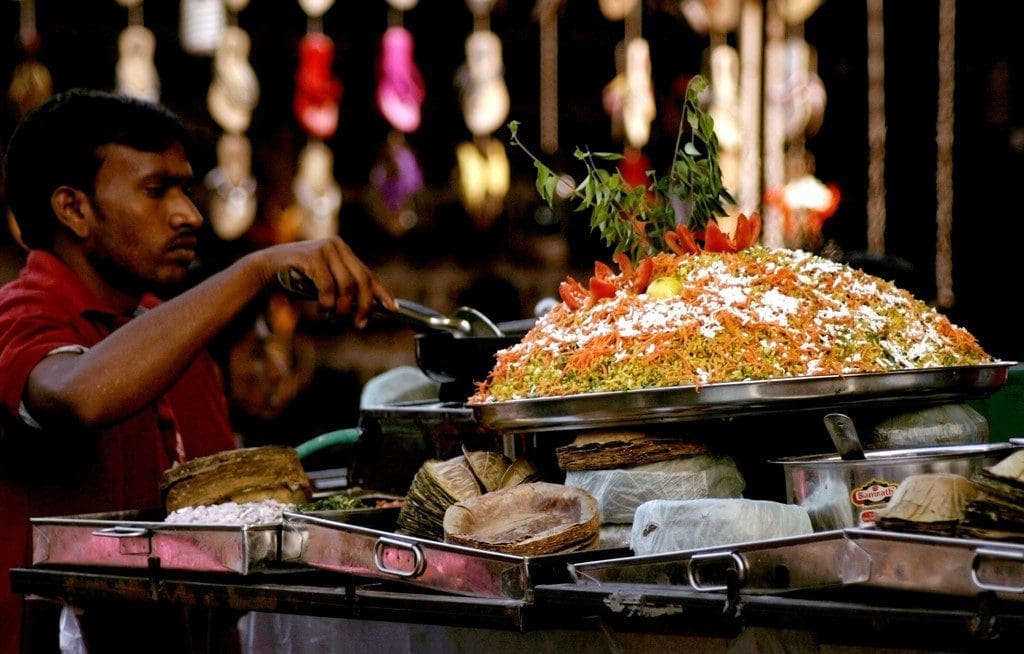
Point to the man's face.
(144, 223)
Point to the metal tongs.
(464, 321)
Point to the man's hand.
(345, 286)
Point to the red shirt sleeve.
(29, 331)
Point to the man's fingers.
(344, 284)
(359, 281)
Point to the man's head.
(60, 144)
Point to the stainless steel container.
(839, 494)
(141, 539)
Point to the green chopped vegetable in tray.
(339, 502)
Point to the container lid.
(876, 457)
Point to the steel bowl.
(839, 493)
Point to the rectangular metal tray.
(682, 403)
(951, 566)
(824, 559)
(844, 557)
(365, 552)
(140, 539)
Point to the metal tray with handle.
(366, 552)
(721, 400)
(939, 564)
(871, 558)
(820, 560)
(140, 539)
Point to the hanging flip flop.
(233, 188)
(480, 7)
(472, 177)
(798, 11)
(235, 89)
(315, 8)
(317, 90)
(395, 180)
(483, 180)
(498, 173)
(316, 192)
(724, 63)
(485, 99)
(638, 110)
(31, 82)
(135, 71)
(617, 9)
(634, 166)
(200, 26)
(400, 91)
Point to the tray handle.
(419, 561)
(699, 561)
(121, 532)
(982, 553)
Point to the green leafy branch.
(696, 177)
(634, 219)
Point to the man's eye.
(155, 190)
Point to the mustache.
(185, 238)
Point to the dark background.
(79, 46)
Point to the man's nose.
(184, 211)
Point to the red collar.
(46, 271)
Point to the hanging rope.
(944, 152)
(546, 13)
(774, 120)
(750, 46)
(876, 128)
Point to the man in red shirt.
(103, 386)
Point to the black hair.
(57, 144)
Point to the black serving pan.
(458, 362)
(446, 358)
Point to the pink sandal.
(400, 92)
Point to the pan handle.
(982, 553)
(724, 559)
(419, 561)
(121, 531)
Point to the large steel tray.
(365, 552)
(950, 566)
(870, 558)
(140, 539)
(682, 403)
(824, 559)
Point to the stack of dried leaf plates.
(616, 449)
(998, 514)
(440, 484)
(928, 504)
(526, 520)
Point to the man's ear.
(72, 209)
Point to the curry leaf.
(635, 219)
